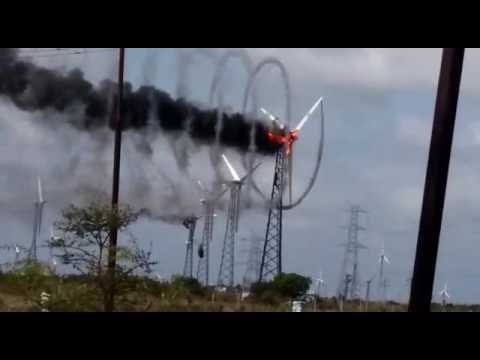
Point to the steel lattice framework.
(203, 269)
(190, 223)
(271, 264)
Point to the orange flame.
(284, 139)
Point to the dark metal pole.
(112, 253)
(436, 179)
(367, 295)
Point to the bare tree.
(84, 240)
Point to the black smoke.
(33, 88)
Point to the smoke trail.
(216, 87)
(250, 92)
(33, 88)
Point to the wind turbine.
(382, 260)
(37, 222)
(319, 285)
(226, 276)
(445, 295)
(209, 202)
(17, 254)
(283, 137)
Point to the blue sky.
(379, 110)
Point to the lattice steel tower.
(271, 264)
(254, 259)
(284, 137)
(190, 223)
(349, 284)
(203, 269)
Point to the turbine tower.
(209, 202)
(282, 136)
(37, 220)
(382, 281)
(190, 223)
(320, 285)
(349, 284)
(367, 292)
(226, 274)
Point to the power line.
(26, 56)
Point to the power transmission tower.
(349, 277)
(271, 264)
(190, 223)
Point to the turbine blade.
(230, 167)
(386, 260)
(272, 117)
(309, 113)
(269, 115)
(40, 192)
(251, 172)
(200, 185)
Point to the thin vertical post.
(112, 253)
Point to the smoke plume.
(33, 88)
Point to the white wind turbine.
(227, 265)
(444, 295)
(382, 260)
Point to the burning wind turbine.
(283, 136)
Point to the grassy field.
(21, 291)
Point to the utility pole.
(367, 295)
(190, 223)
(436, 179)
(117, 120)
